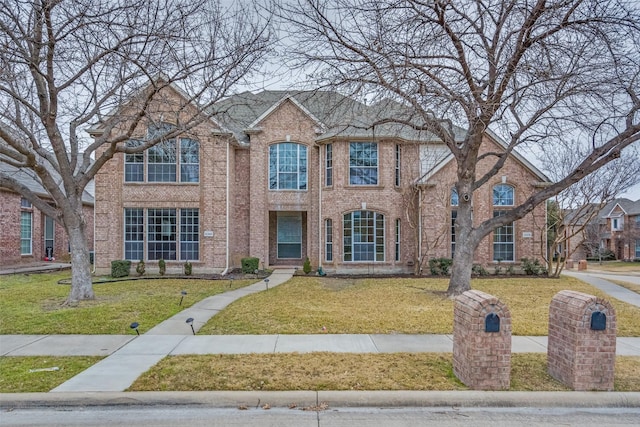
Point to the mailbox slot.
(598, 321)
(492, 323)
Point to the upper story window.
(328, 165)
(25, 204)
(617, 224)
(287, 166)
(503, 195)
(162, 159)
(455, 201)
(398, 164)
(638, 221)
(363, 163)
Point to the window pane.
(363, 236)
(25, 233)
(189, 160)
(24, 203)
(503, 241)
(502, 195)
(287, 166)
(454, 216)
(328, 228)
(161, 234)
(398, 154)
(134, 163)
(363, 163)
(162, 162)
(329, 165)
(133, 234)
(189, 234)
(454, 198)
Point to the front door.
(48, 231)
(289, 235)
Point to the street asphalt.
(128, 356)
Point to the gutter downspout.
(419, 260)
(226, 267)
(319, 206)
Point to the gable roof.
(628, 207)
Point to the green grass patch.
(21, 375)
(33, 303)
(304, 305)
(347, 371)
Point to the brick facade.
(578, 356)
(10, 250)
(481, 360)
(239, 212)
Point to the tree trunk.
(461, 269)
(81, 286)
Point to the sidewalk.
(599, 280)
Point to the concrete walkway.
(599, 280)
(118, 371)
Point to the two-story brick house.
(621, 233)
(283, 176)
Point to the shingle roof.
(29, 179)
(339, 115)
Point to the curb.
(334, 399)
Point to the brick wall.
(481, 360)
(437, 209)
(578, 356)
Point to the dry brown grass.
(305, 305)
(615, 266)
(346, 371)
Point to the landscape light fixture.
(135, 325)
(190, 323)
(266, 281)
(182, 297)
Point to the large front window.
(363, 163)
(164, 239)
(363, 236)
(637, 249)
(290, 235)
(26, 231)
(287, 166)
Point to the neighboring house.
(283, 176)
(615, 228)
(622, 230)
(26, 234)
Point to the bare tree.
(534, 72)
(68, 64)
(580, 205)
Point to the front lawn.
(348, 371)
(33, 303)
(310, 305)
(40, 373)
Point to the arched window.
(503, 236)
(503, 195)
(287, 166)
(363, 236)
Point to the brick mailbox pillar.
(581, 352)
(481, 341)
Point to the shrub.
(440, 266)
(498, 269)
(162, 267)
(479, 270)
(120, 268)
(306, 267)
(511, 270)
(532, 267)
(188, 268)
(249, 265)
(140, 268)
